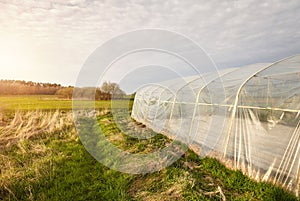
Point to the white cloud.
(234, 33)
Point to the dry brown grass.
(169, 191)
(32, 124)
(25, 135)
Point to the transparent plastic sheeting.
(246, 117)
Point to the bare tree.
(112, 89)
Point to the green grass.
(49, 102)
(56, 166)
(66, 172)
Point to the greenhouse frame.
(246, 117)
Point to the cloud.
(233, 33)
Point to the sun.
(13, 56)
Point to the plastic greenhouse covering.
(246, 117)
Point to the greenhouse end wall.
(246, 117)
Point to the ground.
(42, 158)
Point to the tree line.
(107, 91)
(19, 87)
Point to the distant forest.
(18, 87)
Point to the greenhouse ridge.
(247, 117)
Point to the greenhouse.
(246, 117)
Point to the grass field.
(42, 158)
(45, 102)
(34, 102)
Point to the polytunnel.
(247, 117)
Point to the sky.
(49, 41)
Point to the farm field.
(42, 158)
(46, 102)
